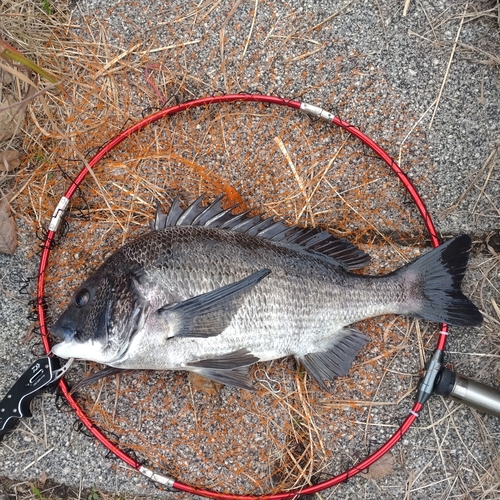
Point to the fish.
(213, 292)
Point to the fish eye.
(81, 298)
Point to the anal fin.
(334, 356)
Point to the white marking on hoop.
(312, 110)
(415, 413)
(58, 214)
(158, 478)
(442, 332)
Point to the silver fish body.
(211, 292)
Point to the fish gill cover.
(274, 160)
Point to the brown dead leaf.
(383, 467)
(43, 479)
(8, 236)
(5, 77)
(10, 119)
(9, 160)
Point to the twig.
(327, 168)
(495, 59)
(428, 20)
(411, 32)
(130, 193)
(415, 125)
(493, 162)
(117, 394)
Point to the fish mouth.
(62, 332)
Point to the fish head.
(95, 324)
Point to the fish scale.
(212, 292)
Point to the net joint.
(317, 112)
(166, 481)
(58, 214)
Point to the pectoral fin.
(236, 359)
(334, 356)
(210, 313)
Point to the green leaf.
(36, 492)
(46, 7)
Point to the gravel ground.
(452, 452)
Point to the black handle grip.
(16, 404)
(8, 426)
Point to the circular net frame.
(290, 434)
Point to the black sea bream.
(213, 292)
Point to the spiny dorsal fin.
(311, 240)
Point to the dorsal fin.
(310, 240)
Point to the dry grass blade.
(18, 74)
(11, 54)
(449, 65)
(299, 180)
(222, 36)
(490, 162)
(119, 57)
(251, 29)
(406, 7)
(331, 16)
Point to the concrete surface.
(408, 56)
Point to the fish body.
(213, 292)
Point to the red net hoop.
(57, 217)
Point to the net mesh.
(275, 160)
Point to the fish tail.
(435, 281)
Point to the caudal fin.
(436, 278)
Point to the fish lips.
(63, 331)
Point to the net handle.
(57, 217)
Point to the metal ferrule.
(166, 481)
(317, 112)
(476, 395)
